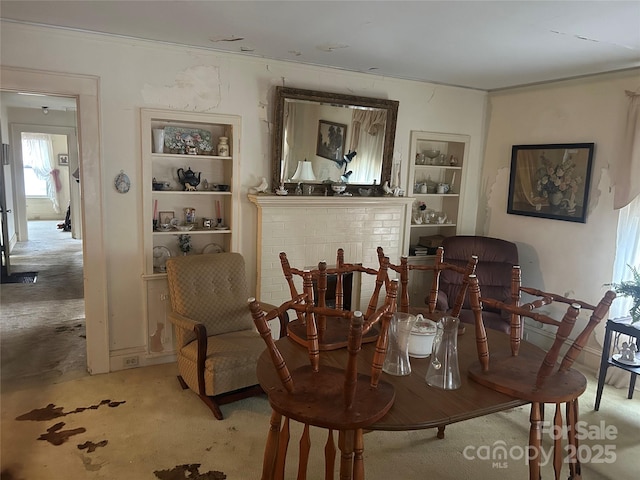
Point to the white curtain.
(288, 139)
(37, 151)
(627, 202)
(367, 139)
(627, 253)
(627, 174)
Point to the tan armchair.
(216, 342)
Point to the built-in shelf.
(208, 204)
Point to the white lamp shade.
(304, 172)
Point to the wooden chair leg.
(303, 456)
(213, 406)
(271, 448)
(558, 457)
(345, 444)
(440, 433)
(183, 384)
(329, 456)
(283, 445)
(209, 402)
(572, 421)
(534, 442)
(358, 457)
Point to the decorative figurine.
(184, 242)
(262, 188)
(188, 177)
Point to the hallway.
(42, 324)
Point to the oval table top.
(417, 405)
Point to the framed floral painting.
(551, 181)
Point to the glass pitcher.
(396, 362)
(443, 371)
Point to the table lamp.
(304, 172)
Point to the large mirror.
(325, 129)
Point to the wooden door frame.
(85, 89)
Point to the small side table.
(621, 326)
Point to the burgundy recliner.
(496, 257)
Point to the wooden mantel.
(286, 201)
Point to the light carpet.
(42, 324)
(160, 431)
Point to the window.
(627, 252)
(36, 159)
(33, 186)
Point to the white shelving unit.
(207, 203)
(439, 170)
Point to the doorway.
(85, 90)
(43, 324)
(43, 317)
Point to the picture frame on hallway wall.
(551, 180)
(63, 159)
(331, 139)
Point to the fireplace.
(310, 229)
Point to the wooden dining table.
(417, 405)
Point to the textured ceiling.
(485, 45)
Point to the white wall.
(135, 74)
(559, 256)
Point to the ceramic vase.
(223, 147)
(555, 198)
(158, 140)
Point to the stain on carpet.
(91, 447)
(67, 328)
(89, 465)
(188, 471)
(51, 411)
(7, 474)
(56, 436)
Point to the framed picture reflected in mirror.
(331, 139)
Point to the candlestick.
(453, 180)
(155, 220)
(218, 210)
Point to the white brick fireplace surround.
(311, 229)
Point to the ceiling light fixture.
(45, 110)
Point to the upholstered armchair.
(217, 345)
(496, 257)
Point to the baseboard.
(137, 357)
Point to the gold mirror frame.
(286, 93)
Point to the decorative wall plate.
(122, 182)
(213, 248)
(160, 256)
(179, 139)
